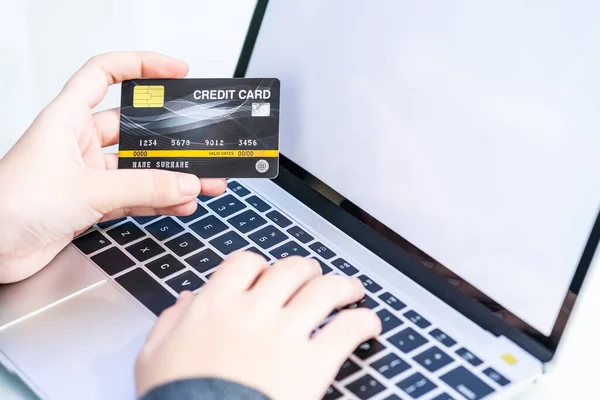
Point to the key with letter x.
(145, 249)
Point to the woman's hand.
(252, 323)
(56, 181)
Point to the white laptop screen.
(471, 129)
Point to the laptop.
(443, 154)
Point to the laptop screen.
(471, 129)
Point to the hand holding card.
(213, 128)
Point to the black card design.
(213, 128)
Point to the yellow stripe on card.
(197, 153)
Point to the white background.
(43, 43)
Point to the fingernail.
(189, 185)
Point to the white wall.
(43, 42)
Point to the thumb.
(128, 188)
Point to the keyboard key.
(145, 220)
(348, 368)
(88, 230)
(416, 385)
(322, 250)
(226, 206)
(442, 338)
(388, 320)
(407, 340)
(200, 211)
(184, 244)
(106, 224)
(91, 242)
(268, 236)
(467, 384)
(258, 203)
(390, 365)
(148, 291)
(229, 242)
(165, 266)
(300, 234)
(393, 397)
(365, 302)
(470, 357)
(417, 319)
(113, 261)
(257, 251)
(345, 266)
(433, 359)
(185, 281)
(392, 301)
(443, 396)
(368, 349)
(288, 249)
(208, 227)
(204, 198)
(332, 394)
(365, 387)
(247, 221)
(238, 189)
(278, 218)
(324, 267)
(369, 284)
(496, 377)
(145, 249)
(164, 228)
(126, 233)
(204, 261)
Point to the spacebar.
(149, 292)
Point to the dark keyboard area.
(154, 258)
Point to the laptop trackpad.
(81, 348)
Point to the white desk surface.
(29, 49)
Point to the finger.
(239, 271)
(167, 320)
(107, 125)
(111, 161)
(338, 339)
(178, 210)
(213, 187)
(107, 191)
(184, 209)
(281, 281)
(319, 297)
(90, 83)
(210, 186)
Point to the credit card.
(213, 128)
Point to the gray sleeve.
(203, 389)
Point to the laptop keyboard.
(155, 258)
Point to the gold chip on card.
(148, 96)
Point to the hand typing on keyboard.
(56, 181)
(255, 324)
